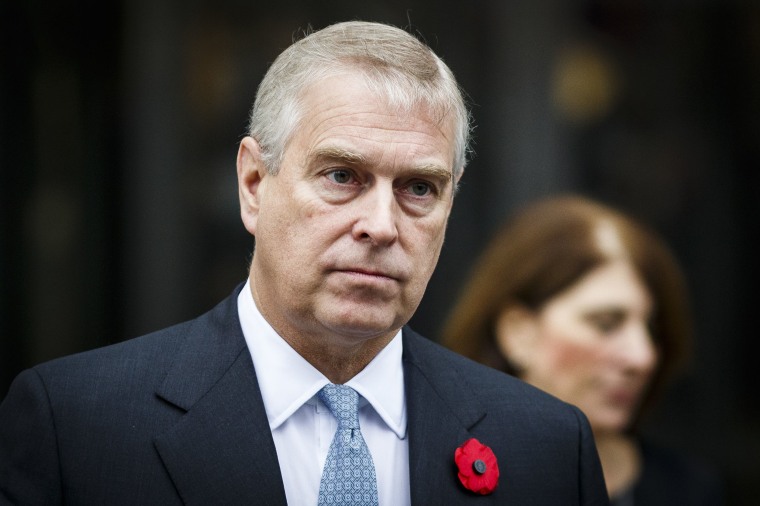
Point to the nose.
(638, 351)
(376, 216)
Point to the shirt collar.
(287, 381)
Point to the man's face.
(349, 231)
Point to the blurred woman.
(589, 305)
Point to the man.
(358, 138)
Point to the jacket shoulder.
(141, 361)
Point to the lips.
(625, 396)
(369, 269)
(369, 272)
(366, 278)
(621, 397)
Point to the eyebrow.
(609, 309)
(337, 153)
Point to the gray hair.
(397, 66)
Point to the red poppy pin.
(478, 470)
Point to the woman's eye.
(339, 176)
(606, 323)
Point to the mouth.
(368, 274)
(383, 266)
(625, 397)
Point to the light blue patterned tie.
(349, 474)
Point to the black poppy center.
(479, 466)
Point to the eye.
(340, 176)
(420, 189)
(606, 322)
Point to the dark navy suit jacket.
(176, 417)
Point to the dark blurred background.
(119, 124)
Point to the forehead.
(612, 283)
(342, 110)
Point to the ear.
(251, 173)
(516, 334)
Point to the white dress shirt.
(302, 426)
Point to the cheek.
(569, 357)
(566, 369)
(424, 237)
(297, 223)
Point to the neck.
(339, 356)
(340, 363)
(621, 460)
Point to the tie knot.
(343, 403)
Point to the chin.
(360, 329)
(609, 423)
(358, 337)
(363, 320)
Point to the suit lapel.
(221, 450)
(440, 414)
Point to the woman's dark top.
(669, 478)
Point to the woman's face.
(591, 345)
